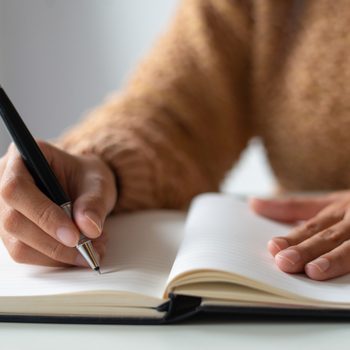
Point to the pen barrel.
(33, 158)
(40, 170)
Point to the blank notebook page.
(223, 234)
(140, 253)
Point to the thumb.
(290, 209)
(96, 198)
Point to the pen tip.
(97, 269)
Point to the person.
(223, 72)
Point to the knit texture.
(224, 71)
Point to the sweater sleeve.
(182, 120)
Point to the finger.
(23, 254)
(332, 264)
(325, 218)
(16, 225)
(295, 258)
(95, 199)
(290, 209)
(19, 191)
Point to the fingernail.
(66, 236)
(290, 256)
(94, 219)
(321, 264)
(277, 244)
(80, 261)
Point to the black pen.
(41, 171)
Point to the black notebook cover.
(181, 308)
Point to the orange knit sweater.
(227, 70)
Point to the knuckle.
(56, 252)
(334, 213)
(10, 188)
(17, 252)
(338, 214)
(311, 226)
(332, 235)
(46, 215)
(11, 221)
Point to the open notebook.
(165, 265)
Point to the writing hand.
(37, 231)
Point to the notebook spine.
(180, 307)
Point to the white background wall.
(59, 58)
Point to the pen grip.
(84, 246)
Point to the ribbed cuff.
(128, 160)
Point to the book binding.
(179, 308)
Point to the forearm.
(181, 122)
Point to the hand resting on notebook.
(320, 245)
(36, 230)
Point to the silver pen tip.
(97, 269)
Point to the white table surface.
(233, 335)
